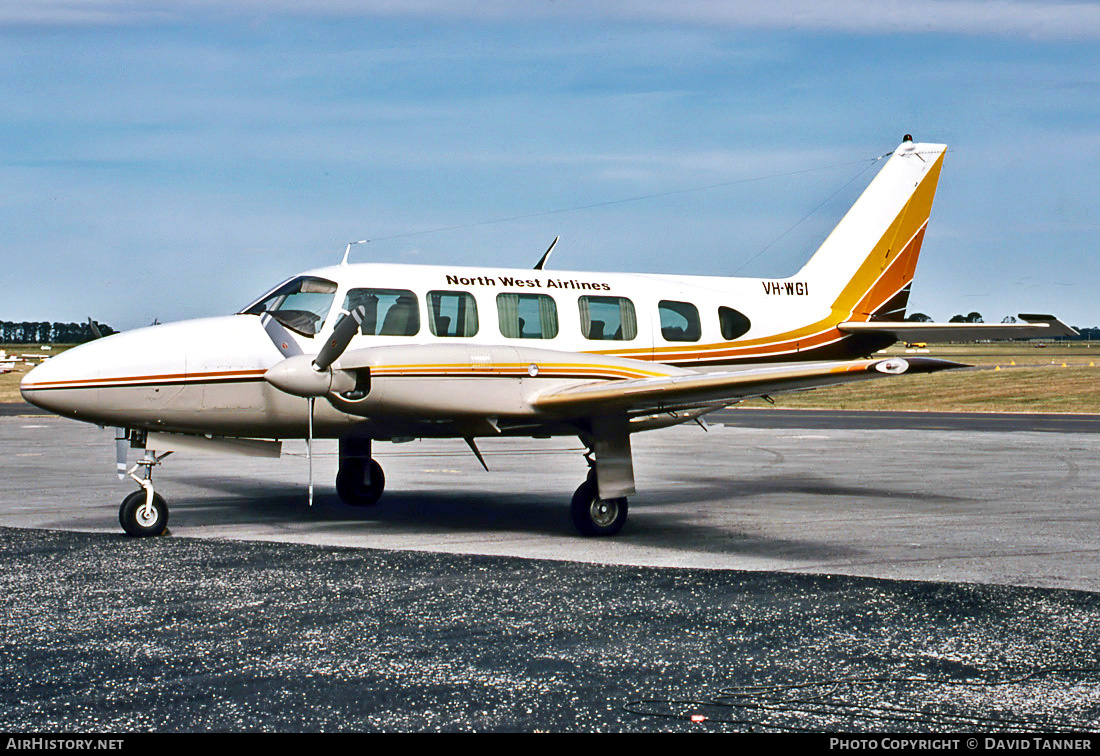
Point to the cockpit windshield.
(301, 304)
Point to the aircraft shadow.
(662, 518)
(428, 511)
(717, 488)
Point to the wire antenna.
(607, 203)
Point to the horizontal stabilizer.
(1036, 327)
(702, 389)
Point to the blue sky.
(175, 159)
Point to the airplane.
(399, 352)
(8, 362)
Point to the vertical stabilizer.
(866, 264)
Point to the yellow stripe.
(588, 370)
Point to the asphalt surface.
(105, 633)
(1007, 508)
(17, 409)
(871, 579)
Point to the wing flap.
(702, 389)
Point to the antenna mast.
(347, 250)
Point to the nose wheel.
(144, 513)
(141, 515)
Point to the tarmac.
(924, 579)
(1015, 508)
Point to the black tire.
(351, 488)
(593, 516)
(131, 520)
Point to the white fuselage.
(441, 346)
(206, 375)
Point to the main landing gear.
(360, 481)
(593, 516)
(144, 512)
(599, 506)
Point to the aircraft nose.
(63, 383)
(151, 377)
(89, 381)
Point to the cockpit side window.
(301, 304)
(388, 312)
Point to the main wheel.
(353, 485)
(139, 524)
(593, 516)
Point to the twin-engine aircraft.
(396, 352)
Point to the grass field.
(9, 382)
(1029, 380)
(1058, 378)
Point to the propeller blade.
(122, 451)
(309, 447)
(282, 340)
(346, 328)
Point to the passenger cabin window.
(679, 321)
(608, 318)
(733, 323)
(301, 304)
(527, 316)
(452, 313)
(389, 312)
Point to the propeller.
(311, 376)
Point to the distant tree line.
(50, 333)
(1085, 334)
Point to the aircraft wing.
(1036, 327)
(696, 390)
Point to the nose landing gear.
(144, 513)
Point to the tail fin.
(866, 264)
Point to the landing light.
(892, 367)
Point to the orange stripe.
(147, 378)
